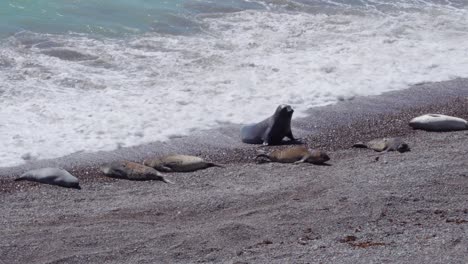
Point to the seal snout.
(105, 168)
(403, 148)
(325, 157)
(322, 157)
(286, 107)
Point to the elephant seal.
(53, 176)
(272, 130)
(299, 154)
(179, 163)
(132, 171)
(437, 122)
(385, 144)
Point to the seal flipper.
(360, 145)
(164, 168)
(290, 136)
(163, 179)
(302, 160)
(266, 138)
(297, 141)
(211, 164)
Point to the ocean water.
(91, 75)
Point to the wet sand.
(404, 208)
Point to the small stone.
(302, 241)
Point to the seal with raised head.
(299, 154)
(132, 171)
(53, 176)
(437, 122)
(272, 130)
(179, 163)
(385, 144)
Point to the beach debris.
(308, 236)
(272, 130)
(53, 176)
(352, 241)
(297, 154)
(347, 239)
(456, 221)
(438, 122)
(132, 171)
(179, 163)
(367, 244)
(385, 144)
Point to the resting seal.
(179, 163)
(385, 144)
(53, 176)
(132, 171)
(298, 154)
(272, 130)
(437, 122)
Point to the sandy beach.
(402, 208)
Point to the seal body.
(272, 130)
(132, 171)
(53, 176)
(297, 154)
(437, 122)
(179, 163)
(385, 144)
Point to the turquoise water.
(97, 75)
(116, 18)
(108, 17)
(87, 16)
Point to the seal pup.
(385, 144)
(437, 122)
(272, 130)
(132, 171)
(179, 163)
(53, 176)
(299, 154)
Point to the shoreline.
(324, 127)
(404, 208)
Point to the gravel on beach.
(364, 208)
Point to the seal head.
(402, 147)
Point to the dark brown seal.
(272, 130)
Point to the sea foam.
(62, 94)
